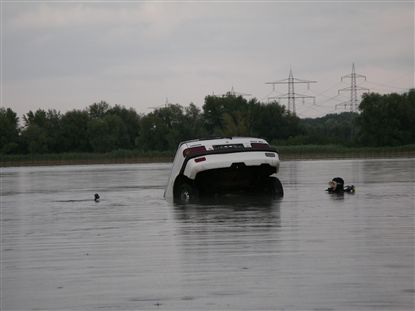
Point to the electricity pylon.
(232, 92)
(291, 95)
(353, 102)
(166, 103)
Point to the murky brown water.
(133, 250)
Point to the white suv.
(224, 165)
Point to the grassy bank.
(134, 156)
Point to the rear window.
(228, 147)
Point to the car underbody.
(237, 177)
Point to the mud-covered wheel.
(186, 193)
(274, 187)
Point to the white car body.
(205, 162)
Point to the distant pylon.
(291, 95)
(353, 103)
(232, 92)
(166, 103)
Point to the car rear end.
(230, 164)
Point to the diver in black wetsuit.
(337, 186)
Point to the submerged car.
(207, 167)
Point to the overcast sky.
(67, 55)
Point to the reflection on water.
(310, 250)
(239, 217)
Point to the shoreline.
(286, 154)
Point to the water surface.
(133, 250)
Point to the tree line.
(384, 120)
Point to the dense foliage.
(385, 120)
(9, 132)
(334, 129)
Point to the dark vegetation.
(384, 120)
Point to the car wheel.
(187, 193)
(274, 187)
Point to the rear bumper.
(193, 166)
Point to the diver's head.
(337, 184)
(332, 184)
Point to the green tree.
(273, 122)
(74, 131)
(9, 131)
(107, 133)
(131, 121)
(213, 111)
(339, 129)
(110, 128)
(35, 139)
(235, 124)
(192, 125)
(235, 116)
(98, 110)
(387, 120)
(161, 129)
(42, 131)
(165, 128)
(226, 115)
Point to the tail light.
(194, 151)
(197, 160)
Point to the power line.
(387, 86)
(326, 90)
(291, 96)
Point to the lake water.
(133, 250)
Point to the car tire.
(274, 187)
(186, 193)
